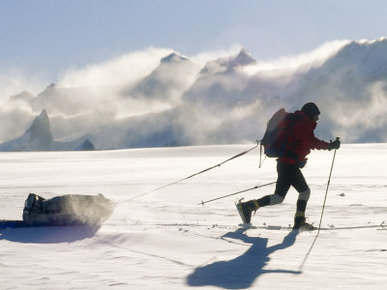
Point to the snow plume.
(366, 119)
(164, 86)
(95, 89)
(115, 72)
(303, 61)
(159, 97)
(15, 121)
(204, 57)
(15, 80)
(87, 98)
(135, 83)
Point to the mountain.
(86, 145)
(38, 137)
(58, 99)
(166, 82)
(226, 100)
(39, 134)
(174, 127)
(228, 64)
(24, 96)
(221, 83)
(352, 90)
(350, 71)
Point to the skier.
(288, 167)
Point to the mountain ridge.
(38, 137)
(224, 100)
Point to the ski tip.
(306, 229)
(239, 200)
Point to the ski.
(286, 228)
(380, 227)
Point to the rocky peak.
(41, 129)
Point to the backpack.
(275, 141)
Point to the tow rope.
(192, 175)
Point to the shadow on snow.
(48, 234)
(242, 271)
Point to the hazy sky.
(46, 37)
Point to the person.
(289, 166)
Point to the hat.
(310, 109)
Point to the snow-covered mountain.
(226, 100)
(351, 88)
(57, 99)
(166, 82)
(221, 82)
(39, 138)
(24, 96)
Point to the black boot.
(301, 224)
(246, 209)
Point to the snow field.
(165, 240)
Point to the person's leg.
(284, 181)
(283, 184)
(299, 183)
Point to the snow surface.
(165, 240)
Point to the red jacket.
(302, 140)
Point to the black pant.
(288, 175)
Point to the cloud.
(154, 98)
(15, 120)
(96, 90)
(116, 72)
(15, 80)
(205, 57)
(303, 61)
(365, 118)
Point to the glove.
(301, 164)
(334, 145)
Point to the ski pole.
(322, 212)
(326, 192)
(235, 193)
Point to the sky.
(42, 39)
